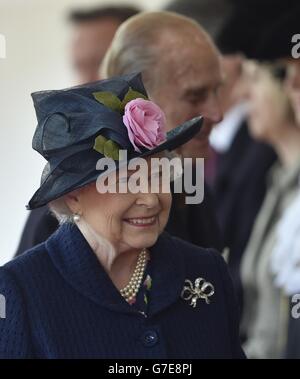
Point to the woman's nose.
(149, 200)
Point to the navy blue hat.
(79, 125)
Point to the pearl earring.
(76, 217)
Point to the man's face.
(231, 91)
(189, 88)
(90, 42)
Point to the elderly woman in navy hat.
(110, 283)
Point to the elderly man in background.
(181, 70)
(93, 30)
(234, 155)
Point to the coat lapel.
(79, 266)
(168, 274)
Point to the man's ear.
(72, 200)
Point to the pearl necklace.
(130, 291)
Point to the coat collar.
(281, 178)
(80, 267)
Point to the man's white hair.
(142, 42)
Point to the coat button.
(150, 338)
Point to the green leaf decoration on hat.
(111, 150)
(107, 147)
(109, 99)
(99, 144)
(132, 95)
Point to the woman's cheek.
(166, 202)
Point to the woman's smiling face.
(268, 103)
(128, 220)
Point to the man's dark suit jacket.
(239, 190)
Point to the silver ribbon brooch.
(201, 290)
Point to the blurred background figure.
(271, 120)
(184, 85)
(282, 39)
(93, 30)
(235, 155)
(210, 14)
(286, 256)
(239, 167)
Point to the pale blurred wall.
(36, 36)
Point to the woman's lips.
(141, 221)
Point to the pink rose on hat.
(145, 123)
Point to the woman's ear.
(72, 200)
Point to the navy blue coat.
(60, 303)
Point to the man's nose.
(212, 109)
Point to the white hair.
(61, 211)
(136, 45)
